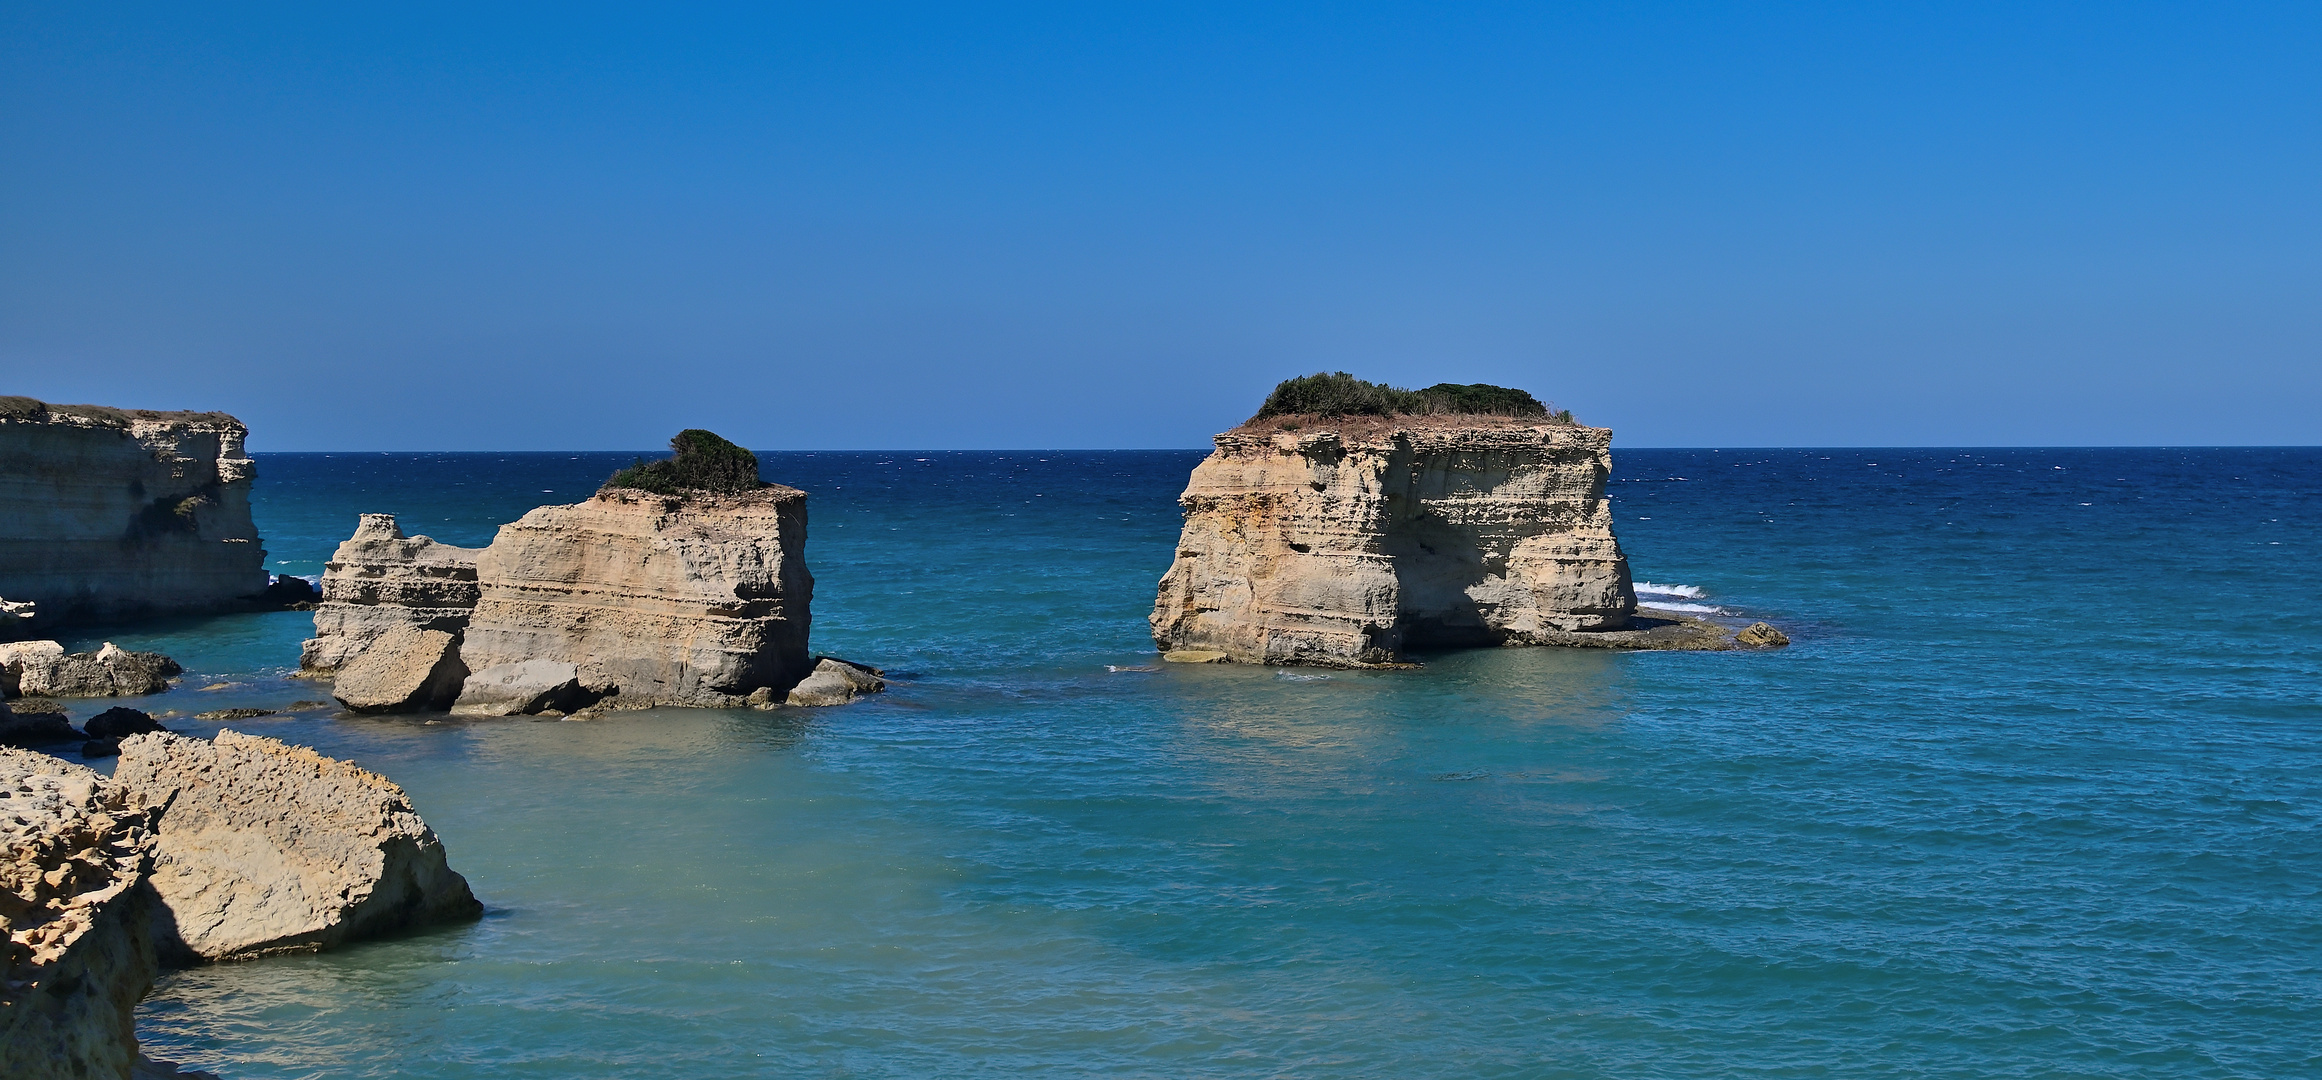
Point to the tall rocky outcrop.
(689, 598)
(1349, 541)
(380, 579)
(109, 514)
(77, 954)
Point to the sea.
(2036, 792)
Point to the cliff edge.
(120, 513)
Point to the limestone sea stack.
(1349, 523)
(698, 598)
(380, 579)
(109, 514)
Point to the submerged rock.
(403, 669)
(380, 579)
(835, 682)
(76, 955)
(261, 847)
(109, 514)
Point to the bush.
(1340, 394)
(704, 462)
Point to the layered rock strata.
(110, 514)
(76, 955)
(1352, 543)
(261, 847)
(699, 599)
(380, 579)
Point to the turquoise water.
(2035, 794)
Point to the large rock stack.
(1350, 541)
(700, 599)
(110, 514)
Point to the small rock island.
(1349, 523)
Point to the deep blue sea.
(2036, 793)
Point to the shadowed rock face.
(112, 514)
(1350, 543)
(76, 956)
(380, 579)
(698, 599)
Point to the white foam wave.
(1296, 677)
(1692, 609)
(1689, 592)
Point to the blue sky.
(577, 227)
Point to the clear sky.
(1080, 225)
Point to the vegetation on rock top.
(1340, 394)
(704, 462)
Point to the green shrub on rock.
(704, 462)
(1340, 394)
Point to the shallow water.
(2036, 793)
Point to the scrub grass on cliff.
(704, 462)
(1340, 394)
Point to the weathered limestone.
(1352, 543)
(118, 513)
(835, 682)
(698, 599)
(44, 669)
(1761, 636)
(262, 847)
(523, 688)
(76, 955)
(379, 579)
(404, 669)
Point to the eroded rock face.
(1349, 545)
(76, 955)
(661, 600)
(380, 579)
(261, 847)
(404, 669)
(112, 514)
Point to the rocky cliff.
(76, 955)
(1350, 541)
(380, 579)
(698, 598)
(117, 513)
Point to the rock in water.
(1351, 544)
(44, 669)
(403, 669)
(76, 955)
(691, 599)
(528, 687)
(26, 726)
(263, 848)
(120, 723)
(109, 514)
(1761, 636)
(379, 579)
(835, 682)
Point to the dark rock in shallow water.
(290, 593)
(220, 716)
(120, 722)
(41, 725)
